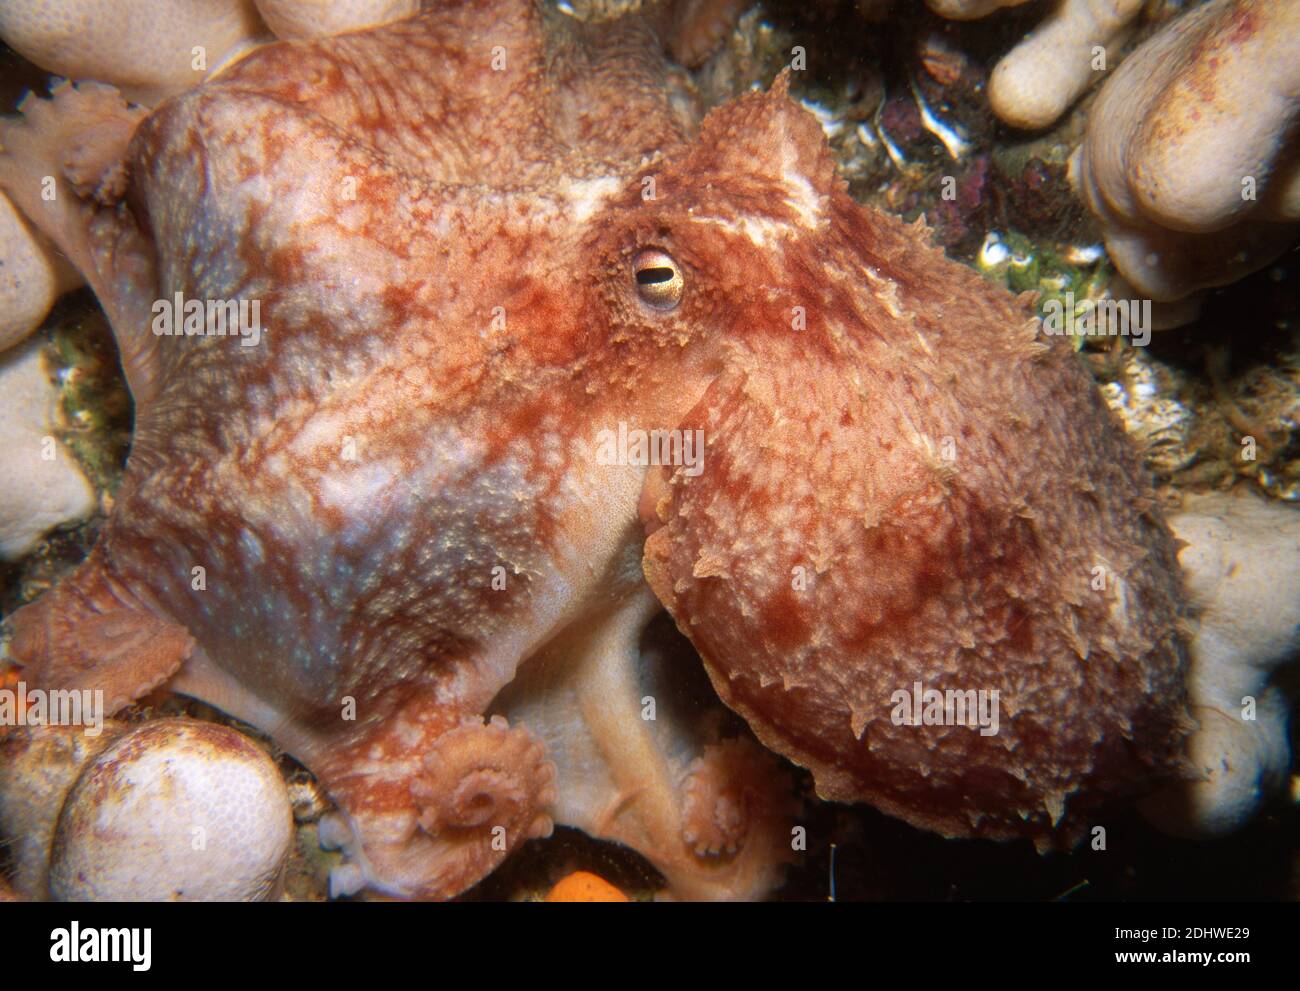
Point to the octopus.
(540, 351)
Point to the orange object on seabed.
(582, 886)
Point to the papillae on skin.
(392, 506)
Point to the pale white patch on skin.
(253, 551)
(324, 428)
(1119, 606)
(886, 290)
(358, 486)
(803, 197)
(586, 196)
(761, 231)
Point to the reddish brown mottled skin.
(397, 506)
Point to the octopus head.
(907, 538)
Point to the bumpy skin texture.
(963, 510)
(400, 514)
(972, 574)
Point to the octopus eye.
(658, 279)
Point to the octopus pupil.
(652, 276)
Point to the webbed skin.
(416, 572)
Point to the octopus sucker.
(387, 529)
